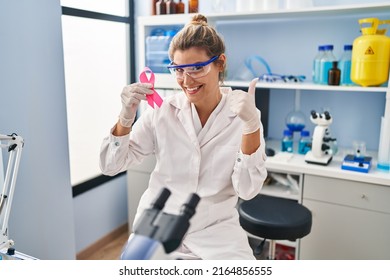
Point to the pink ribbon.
(154, 97)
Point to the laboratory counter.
(295, 163)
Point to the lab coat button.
(117, 144)
(239, 160)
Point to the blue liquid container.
(326, 64)
(317, 66)
(295, 127)
(156, 49)
(345, 66)
(304, 142)
(287, 141)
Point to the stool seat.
(275, 218)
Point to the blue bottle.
(287, 141)
(304, 142)
(326, 64)
(316, 65)
(345, 66)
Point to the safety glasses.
(272, 78)
(195, 71)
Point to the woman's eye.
(180, 70)
(197, 68)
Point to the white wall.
(32, 104)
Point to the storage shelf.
(167, 81)
(281, 191)
(306, 86)
(280, 14)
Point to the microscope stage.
(324, 160)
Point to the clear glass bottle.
(316, 65)
(326, 63)
(287, 141)
(180, 7)
(334, 75)
(345, 66)
(193, 6)
(304, 142)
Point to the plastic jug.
(371, 54)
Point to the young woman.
(207, 140)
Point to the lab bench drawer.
(350, 193)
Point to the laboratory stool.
(274, 218)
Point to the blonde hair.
(197, 33)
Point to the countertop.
(295, 163)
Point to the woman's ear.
(222, 62)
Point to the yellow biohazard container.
(371, 54)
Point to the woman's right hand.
(131, 97)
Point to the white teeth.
(192, 89)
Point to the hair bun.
(199, 19)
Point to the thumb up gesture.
(243, 104)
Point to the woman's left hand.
(243, 104)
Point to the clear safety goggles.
(272, 78)
(195, 71)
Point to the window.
(97, 55)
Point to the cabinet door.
(343, 232)
(137, 183)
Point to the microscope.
(323, 145)
(157, 233)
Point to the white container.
(298, 4)
(256, 5)
(270, 5)
(384, 146)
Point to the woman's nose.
(187, 78)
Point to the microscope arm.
(14, 145)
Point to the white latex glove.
(243, 104)
(131, 97)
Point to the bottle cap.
(305, 133)
(347, 47)
(328, 47)
(287, 132)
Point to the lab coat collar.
(183, 107)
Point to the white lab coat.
(214, 168)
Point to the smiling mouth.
(193, 90)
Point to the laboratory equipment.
(322, 145)
(170, 7)
(296, 120)
(287, 141)
(156, 48)
(158, 233)
(371, 54)
(304, 144)
(334, 75)
(316, 65)
(180, 7)
(345, 66)
(193, 6)
(384, 141)
(161, 7)
(14, 146)
(357, 161)
(154, 2)
(326, 63)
